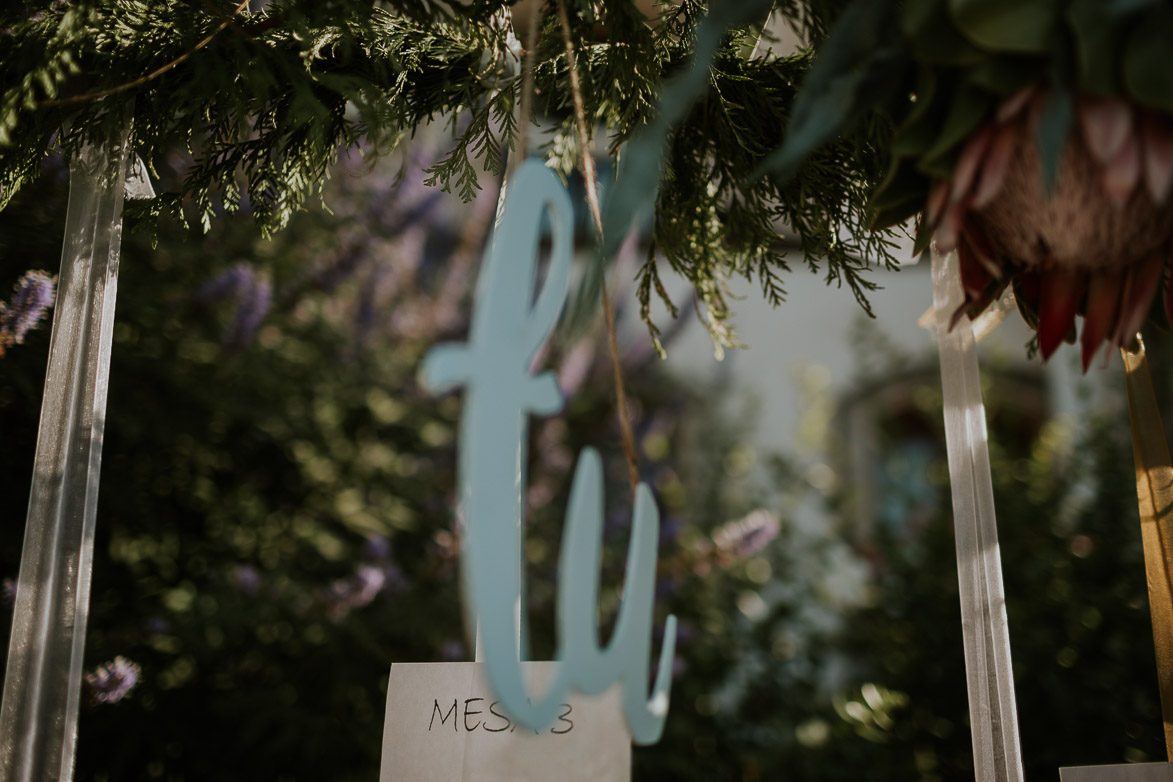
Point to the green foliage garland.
(260, 102)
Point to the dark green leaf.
(924, 237)
(1097, 34)
(1148, 66)
(857, 55)
(919, 129)
(897, 212)
(1124, 7)
(641, 167)
(970, 105)
(1004, 76)
(1052, 134)
(1007, 25)
(933, 36)
(901, 195)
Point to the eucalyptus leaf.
(919, 129)
(970, 105)
(1124, 7)
(1097, 33)
(897, 213)
(924, 237)
(1026, 26)
(857, 56)
(1003, 76)
(641, 167)
(900, 196)
(1054, 125)
(1146, 71)
(933, 36)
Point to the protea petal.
(974, 234)
(996, 164)
(1157, 141)
(967, 164)
(975, 306)
(1107, 124)
(1103, 301)
(975, 276)
(1027, 285)
(1013, 106)
(950, 227)
(936, 203)
(1059, 297)
(1140, 286)
(1122, 173)
(1169, 296)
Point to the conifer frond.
(263, 102)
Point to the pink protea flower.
(1096, 245)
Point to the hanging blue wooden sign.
(500, 393)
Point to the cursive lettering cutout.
(500, 393)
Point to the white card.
(443, 725)
(1130, 772)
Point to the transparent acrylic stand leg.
(42, 685)
(992, 712)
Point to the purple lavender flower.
(246, 578)
(396, 581)
(452, 651)
(745, 537)
(253, 294)
(36, 292)
(368, 582)
(156, 625)
(346, 594)
(670, 529)
(576, 367)
(227, 284)
(376, 548)
(667, 587)
(111, 682)
(252, 305)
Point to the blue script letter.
(495, 369)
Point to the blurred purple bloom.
(396, 581)
(678, 667)
(452, 651)
(376, 548)
(111, 682)
(576, 367)
(368, 583)
(253, 294)
(36, 292)
(359, 590)
(251, 308)
(667, 587)
(670, 529)
(226, 285)
(747, 536)
(246, 578)
(8, 592)
(156, 625)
